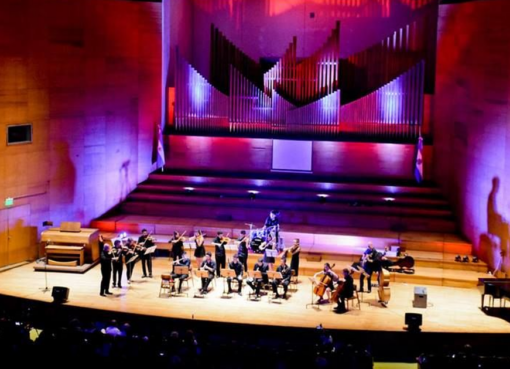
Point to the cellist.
(325, 280)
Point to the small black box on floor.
(420, 297)
(60, 294)
(413, 322)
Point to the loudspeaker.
(413, 321)
(60, 294)
(420, 297)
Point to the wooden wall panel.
(87, 75)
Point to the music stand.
(312, 303)
(150, 250)
(132, 259)
(254, 275)
(200, 274)
(225, 273)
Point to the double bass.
(323, 284)
(384, 291)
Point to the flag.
(418, 165)
(161, 150)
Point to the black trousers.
(239, 283)
(220, 263)
(147, 265)
(205, 283)
(106, 274)
(129, 270)
(285, 283)
(117, 273)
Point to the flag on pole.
(418, 165)
(161, 150)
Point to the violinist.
(209, 265)
(269, 247)
(177, 245)
(118, 263)
(238, 267)
(219, 251)
(325, 280)
(145, 241)
(293, 252)
(199, 247)
(106, 270)
(130, 248)
(184, 261)
(272, 224)
(242, 249)
(345, 290)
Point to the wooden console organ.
(375, 93)
(73, 246)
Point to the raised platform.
(398, 205)
(434, 253)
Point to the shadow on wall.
(494, 245)
(63, 181)
(124, 180)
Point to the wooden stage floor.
(450, 309)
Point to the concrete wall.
(87, 75)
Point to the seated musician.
(209, 265)
(236, 265)
(286, 272)
(369, 266)
(256, 284)
(327, 274)
(183, 261)
(347, 290)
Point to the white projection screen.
(292, 156)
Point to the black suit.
(285, 281)
(238, 267)
(106, 272)
(256, 284)
(211, 267)
(146, 259)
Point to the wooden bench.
(66, 252)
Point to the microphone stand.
(46, 288)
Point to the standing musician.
(272, 223)
(293, 252)
(130, 253)
(219, 251)
(184, 261)
(238, 267)
(284, 269)
(209, 265)
(325, 280)
(199, 247)
(256, 284)
(145, 241)
(118, 262)
(177, 245)
(269, 246)
(106, 270)
(242, 249)
(345, 290)
(369, 266)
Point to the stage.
(450, 309)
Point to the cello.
(323, 283)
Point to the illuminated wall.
(471, 115)
(87, 75)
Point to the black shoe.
(144, 276)
(340, 311)
(465, 259)
(119, 286)
(113, 286)
(150, 276)
(458, 258)
(229, 292)
(108, 293)
(102, 294)
(239, 293)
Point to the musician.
(272, 223)
(369, 266)
(256, 283)
(118, 263)
(238, 267)
(177, 245)
(106, 270)
(285, 270)
(130, 254)
(219, 251)
(333, 278)
(242, 249)
(209, 265)
(383, 260)
(145, 241)
(293, 252)
(269, 246)
(199, 247)
(347, 290)
(184, 261)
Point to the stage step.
(388, 205)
